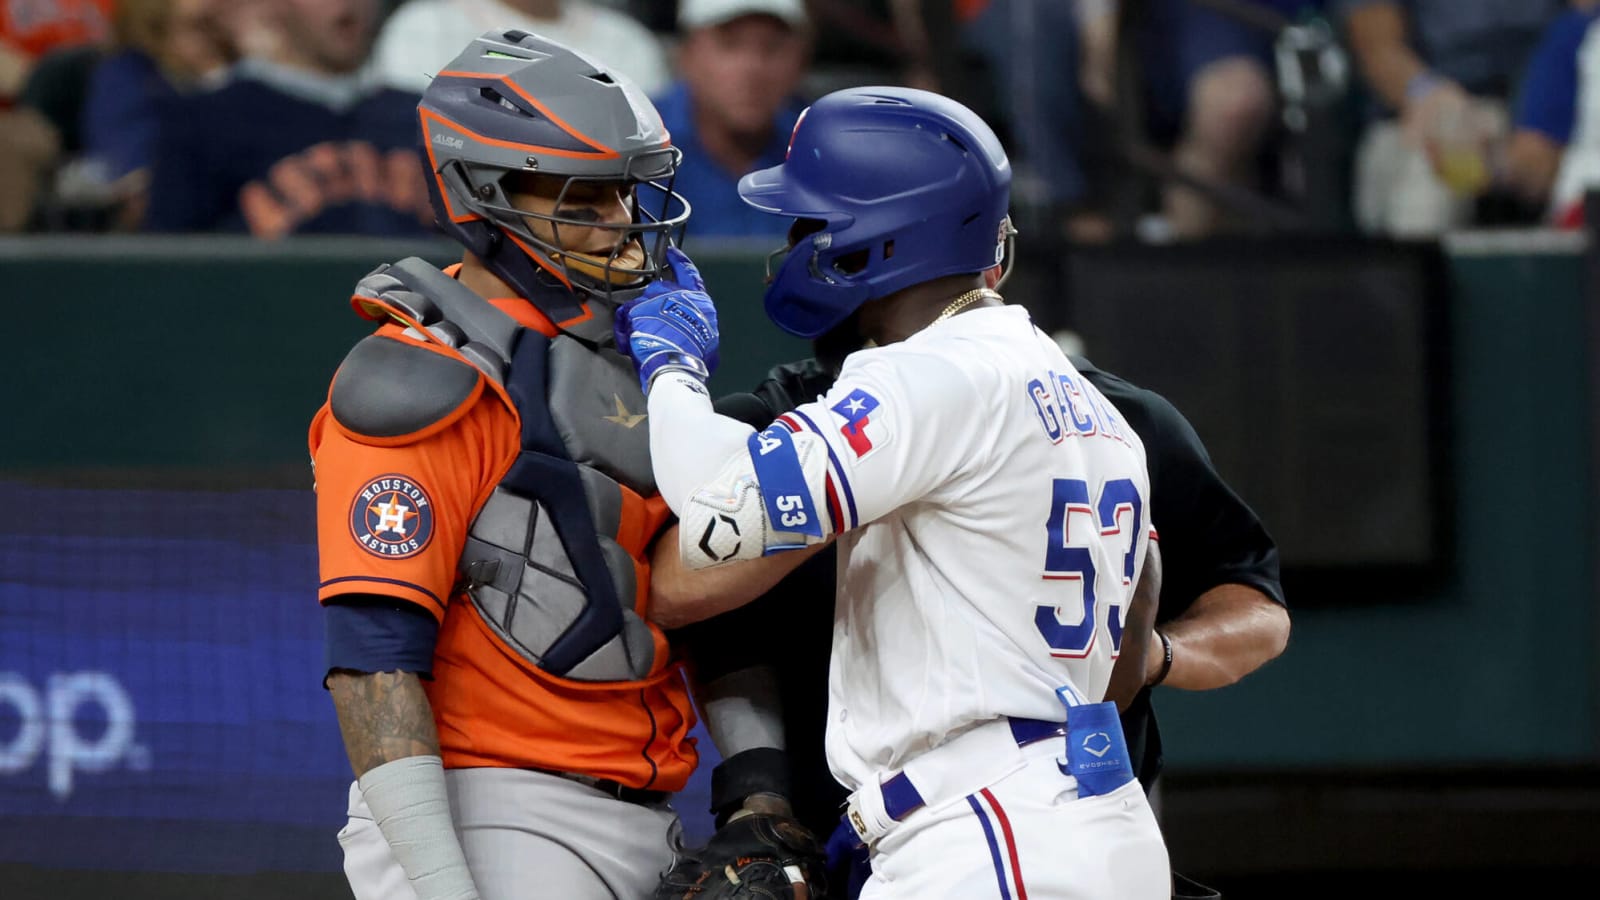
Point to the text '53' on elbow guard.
(764, 501)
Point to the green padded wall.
(214, 351)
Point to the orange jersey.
(392, 520)
(967, 10)
(38, 26)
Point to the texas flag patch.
(856, 410)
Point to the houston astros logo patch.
(392, 517)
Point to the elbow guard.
(764, 501)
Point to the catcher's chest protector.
(542, 563)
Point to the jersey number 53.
(1064, 561)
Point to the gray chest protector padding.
(541, 562)
(599, 411)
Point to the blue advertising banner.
(161, 705)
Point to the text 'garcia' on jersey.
(1069, 406)
(392, 517)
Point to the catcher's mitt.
(754, 856)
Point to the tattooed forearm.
(384, 716)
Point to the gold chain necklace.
(964, 301)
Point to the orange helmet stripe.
(601, 151)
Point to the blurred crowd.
(1162, 119)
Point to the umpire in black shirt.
(1221, 617)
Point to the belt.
(613, 789)
(901, 798)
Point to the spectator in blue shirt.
(742, 62)
(1554, 152)
(162, 47)
(300, 140)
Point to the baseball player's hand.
(848, 861)
(756, 855)
(671, 326)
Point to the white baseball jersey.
(997, 515)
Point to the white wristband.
(409, 802)
(744, 711)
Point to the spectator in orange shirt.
(30, 30)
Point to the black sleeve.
(750, 409)
(791, 384)
(1209, 535)
(369, 633)
(786, 387)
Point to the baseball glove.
(754, 856)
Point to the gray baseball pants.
(528, 835)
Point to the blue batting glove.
(844, 848)
(671, 326)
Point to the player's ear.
(991, 277)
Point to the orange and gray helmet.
(515, 102)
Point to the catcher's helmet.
(910, 185)
(515, 102)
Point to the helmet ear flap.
(484, 236)
(457, 188)
(804, 300)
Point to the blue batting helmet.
(910, 185)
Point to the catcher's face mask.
(586, 225)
